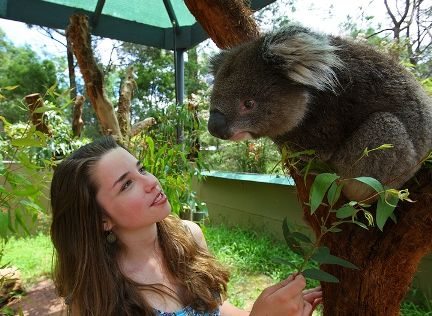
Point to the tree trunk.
(79, 35)
(71, 69)
(124, 104)
(34, 102)
(387, 260)
(227, 22)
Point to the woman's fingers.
(271, 289)
(284, 298)
(307, 309)
(313, 297)
(315, 289)
(312, 294)
(294, 287)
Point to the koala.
(306, 90)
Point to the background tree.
(22, 67)
(405, 34)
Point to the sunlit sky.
(324, 15)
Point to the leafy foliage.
(22, 68)
(167, 159)
(27, 156)
(325, 191)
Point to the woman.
(120, 252)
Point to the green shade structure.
(146, 22)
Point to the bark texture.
(77, 121)
(124, 104)
(227, 22)
(142, 126)
(79, 35)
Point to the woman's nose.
(149, 181)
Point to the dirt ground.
(40, 300)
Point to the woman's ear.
(107, 224)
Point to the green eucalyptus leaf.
(334, 193)
(334, 230)
(319, 275)
(385, 208)
(319, 188)
(360, 224)
(346, 211)
(322, 256)
(372, 182)
(301, 237)
(292, 242)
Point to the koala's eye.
(249, 104)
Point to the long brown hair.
(86, 271)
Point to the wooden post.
(77, 121)
(124, 104)
(34, 102)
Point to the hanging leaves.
(322, 256)
(320, 275)
(319, 188)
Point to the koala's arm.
(392, 167)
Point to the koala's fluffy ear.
(216, 61)
(303, 56)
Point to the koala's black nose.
(217, 125)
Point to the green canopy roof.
(147, 22)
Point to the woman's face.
(131, 197)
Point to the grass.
(32, 256)
(254, 262)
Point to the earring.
(111, 238)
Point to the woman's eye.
(126, 185)
(142, 170)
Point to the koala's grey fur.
(332, 95)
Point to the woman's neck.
(139, 245)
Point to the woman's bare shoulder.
(196, 233)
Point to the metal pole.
(179, 86)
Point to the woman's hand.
(287, 299)
(313, 296)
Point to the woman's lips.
(159, 199)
